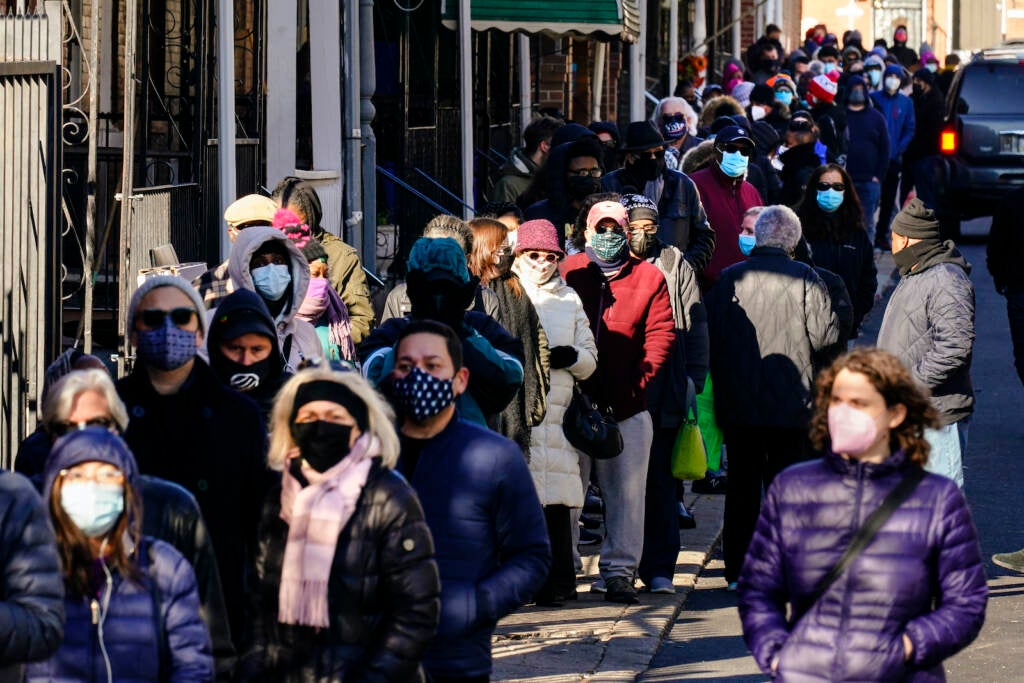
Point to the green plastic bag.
(709, 426)
(689, 461)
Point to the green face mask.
(608, 245)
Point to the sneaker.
(589, 537)
(662, 585)
(710, 484)
(686, 518)
(598, 587)
(1012, 561)
(620, 590)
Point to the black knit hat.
(916, 221)
(762, 94)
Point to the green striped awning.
(609, 18)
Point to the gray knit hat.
(916, 221)
(157, 281)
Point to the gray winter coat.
(768, 317)
(929, 325)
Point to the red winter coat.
(725, 201)
(634, 329)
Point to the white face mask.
(892, 84)
(757, 112)
(535, 272)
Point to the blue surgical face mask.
(747, 244)
(93, 507)
(167, 347)
(875, 76)
(932, 66)
(829, 200)
(271, 281)
(733, 164)
(830, 67)
(784, 96)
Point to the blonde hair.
(380, 417)
(61, 397)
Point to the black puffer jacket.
(682, 221)
(32, 586)
(929, 325)
(383, 594)
(767, 317)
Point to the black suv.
(982, 144)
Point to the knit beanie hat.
(823, 88)
(441, 257)
(179, 283)
(916, 221)
(924, 75)
(762, 94)
(640, 207)
(741, 91)
(539, 234)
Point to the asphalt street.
(706, 643)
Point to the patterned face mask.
(421, 395)
(167, 347)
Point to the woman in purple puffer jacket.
(915, 595)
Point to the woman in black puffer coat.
(357, 597)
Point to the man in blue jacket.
(898, 111)
(478, 499)
(867, 159)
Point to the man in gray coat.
(929, 325)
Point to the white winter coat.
(554, 463)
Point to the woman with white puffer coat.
(554, 463)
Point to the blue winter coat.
(898, 111)
(925, 554)
(141, 647)
(489, 534)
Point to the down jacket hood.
(246, 303)
(248, 242)
(85, 445)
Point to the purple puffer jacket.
(921, 575)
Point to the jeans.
(868, 192)
(661, 515)
(756, 455)
(623, 480)
(888, 208)
(1015, 312)
(946, 457)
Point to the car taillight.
(948, 141)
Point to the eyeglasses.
(542, 255)
(610, 144)
(62, 428)
(583, 172)
(152, 318)
(838, 187)
(649, 229)
(106, 476)
(731, 148)
(673, 118)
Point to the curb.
(592, 640)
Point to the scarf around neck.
(315, 516)
(323, 301)
(609, 268)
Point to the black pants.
(1015, 312)
(887, 205)
(661, 516)
(756, 455)
(561, 581)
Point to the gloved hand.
(560, 357)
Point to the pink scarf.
(316, 515)
(321, 299)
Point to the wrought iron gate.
(30, 219)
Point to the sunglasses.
(673, 118)
(592, 172)
(152, 318)
(62, 428)
(742, 149)
(838, 187)
(542, 255)
(660, 154)
(602, 229)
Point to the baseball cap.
(608, 211)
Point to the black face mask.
(237, 376)
(647, 169)
(580, 187)
(322, 444)
(857, 97)
(640, 242)
(504, 264)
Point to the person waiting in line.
(132, 604)
(799, 160)
(915, 594)
(523, 163)
(677, 121)
(573, 173)
(348, 586)
(491, 261)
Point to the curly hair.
(896, 385)
(838, 226)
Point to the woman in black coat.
(833, 225)
(348, 589)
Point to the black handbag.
(590, 429)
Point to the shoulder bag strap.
(867, 532)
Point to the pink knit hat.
(540, 235)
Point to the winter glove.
(560, 357)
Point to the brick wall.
(569, 89)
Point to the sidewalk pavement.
(594, 640)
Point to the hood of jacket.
(247, 244)
(85, 445)
(518, 165)
(250, 303)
